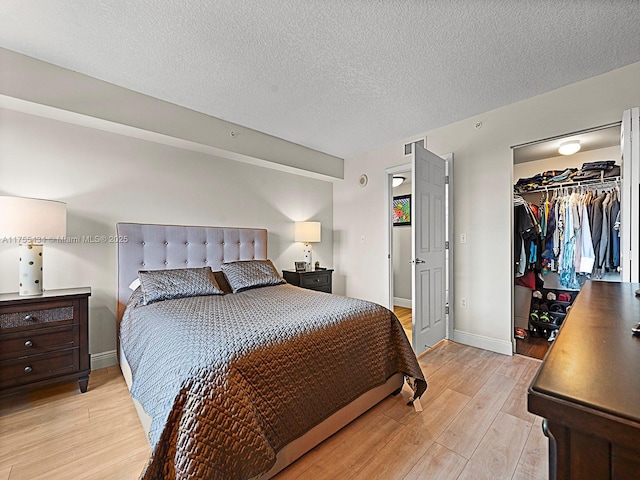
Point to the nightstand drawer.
(33, 342)
(25, 370)
(44, 339)
(318, 280)
(315, 280)
(36, 315)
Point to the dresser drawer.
(315, 280)
(36, 315)
(38, 367)
(33, 342)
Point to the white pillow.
(135, 284)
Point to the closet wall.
(528, 169)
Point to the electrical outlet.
(463, 303)
(463, 238)
(362, 239)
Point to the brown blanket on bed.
(229, 380)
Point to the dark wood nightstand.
(319, 280)
(44, 339)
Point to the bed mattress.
(229, 380)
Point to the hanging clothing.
(588, 256)
(526, 234)
(615, 232)
(579, 236)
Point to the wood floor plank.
(449, 371)
(466, 431)
(438, 463)
(470, 380)
(516, 403)
(338, 440)
(401, 452)
(534, 461)
(4, 473)
(357, 452)
(515, 366)
(497, 455)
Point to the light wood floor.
(404, 315)
(474, 425)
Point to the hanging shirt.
(596, 226)
(604, 236)
(587, 257)
(615, 232)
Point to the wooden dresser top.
(595, 360)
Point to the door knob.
(418, 260)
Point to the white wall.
(105, 178)
(483, 185)
(402, 255)
(73, 97)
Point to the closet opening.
(567, 220)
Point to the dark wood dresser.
(319, 280)
(44, 339)
(588, 387)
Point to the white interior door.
(428, 228)
(630, 224)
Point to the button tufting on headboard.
(168, 246)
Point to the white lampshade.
(32, 219)
(307, 232)
(29, 222)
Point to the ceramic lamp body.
(307, 256)
(30, 269)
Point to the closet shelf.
(602, 183)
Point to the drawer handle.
(29, 318)
(317, 280)
(27, 369)
(28, 343)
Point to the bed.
(235, 375)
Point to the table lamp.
(29, 222)
(307, 232)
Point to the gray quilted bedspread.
(229, 380)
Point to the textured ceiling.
(338, 76)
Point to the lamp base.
(307, 257)
(30, 269)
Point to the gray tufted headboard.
(156, 247)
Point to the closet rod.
(596, 183)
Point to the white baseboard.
(402, 302)
(480, 341)
(103, 359)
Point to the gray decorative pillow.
(160, 285)
(247, 274)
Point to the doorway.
(547, 274)
(426, 237)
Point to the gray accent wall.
(106, 177)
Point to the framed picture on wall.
(402, 210)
